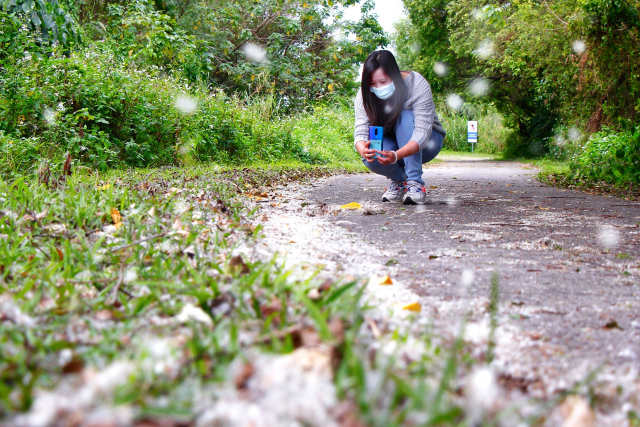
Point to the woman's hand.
(387, 157)
(365, 151)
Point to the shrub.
(107, 113)
(610, 157)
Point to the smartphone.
(375, 138)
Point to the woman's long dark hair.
(383, 112)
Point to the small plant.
(608, 156)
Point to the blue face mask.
(384, 92)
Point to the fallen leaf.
(414, 306)
(273, 307)
(336, 327)
(238, 265)
(577, 413)
(73, 366)
(242, 378)
(611, 324)
(116, 217)
(386, 280)
(352, 205)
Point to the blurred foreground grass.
(122, 297)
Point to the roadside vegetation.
(132, 137)
(562, 75)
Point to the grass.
(134, 273)
(558, 173)
(466, 154)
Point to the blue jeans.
(410, 167)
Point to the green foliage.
(540, 76)
(297, 57)
(139, 33)
(48, 19)
(608, 156)
(102, 112)
(107, 114)
(327, 132)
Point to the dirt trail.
(568, 265)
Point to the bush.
(326, 132)
(610, 157)
(107, 113)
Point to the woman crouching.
(401, 103)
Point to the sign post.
(472, 133)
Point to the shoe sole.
(384, 199)
(409, 201)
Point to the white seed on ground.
(608, 236)
(467, 278)
(481, 392)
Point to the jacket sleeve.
(424, 112)
(361, 125)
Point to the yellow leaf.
(116, 217)
(414, 306)
(104, 187)
(386, 280)
(352, 205)
(131, 52)
(253, 77)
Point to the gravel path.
(568, 266)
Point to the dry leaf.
(577, 413)
(273, 307)
(237, 265)
(386, 280)
(242, 378)
(352, 205)
(116, 217)
(414, 306)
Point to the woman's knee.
(433, 146)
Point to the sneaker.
(394, 192)
(416, 194)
